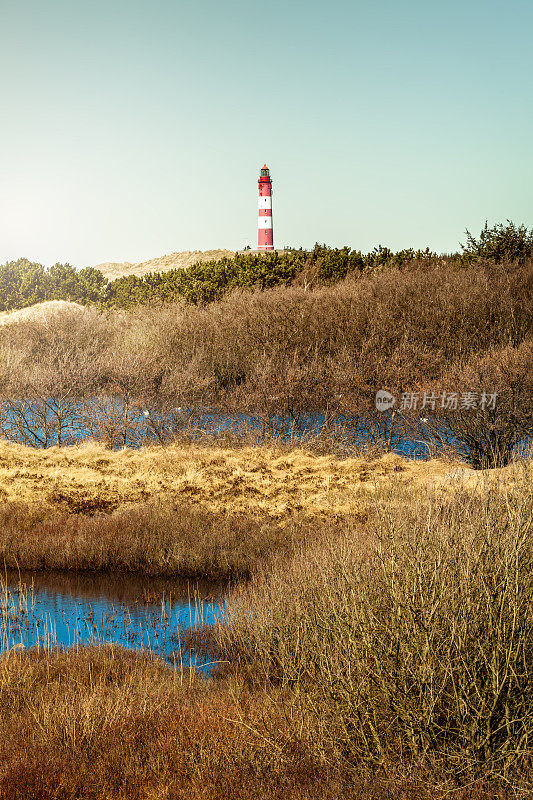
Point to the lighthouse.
(265, 239)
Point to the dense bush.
(500, 243)
(23, 283)
(208, 281)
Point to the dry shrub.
(487, 436)
(288, 348)
(312, 359)
(410, 646)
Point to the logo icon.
(384, 400)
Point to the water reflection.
(63, 609)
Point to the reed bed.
(146, 539)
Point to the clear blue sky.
(133, 129)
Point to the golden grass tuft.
(252, 480)
(199, 512)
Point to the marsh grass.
(385, 656)
(99, 723)
(148, 539)
(279, 482)
(190, 512)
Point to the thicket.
(408, 643)
(500, 243)
(286, 352)
(312, 351)
(24, 283)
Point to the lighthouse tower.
(265, 234)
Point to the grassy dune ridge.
(275, 481)
(249, 480)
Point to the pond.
(51, 609)
(111, 420)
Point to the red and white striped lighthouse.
(265, 234)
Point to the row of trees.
(23, 283)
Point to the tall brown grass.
(99, 723)
(148, 539)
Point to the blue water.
(57, 610)
(135, 425)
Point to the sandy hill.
(162, 264)
(41, 311)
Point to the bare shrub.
(489, 434)
(286, 352)
(56, 363)
(288, 347)
(410, 646)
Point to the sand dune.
(41, 311)
(182, 260)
